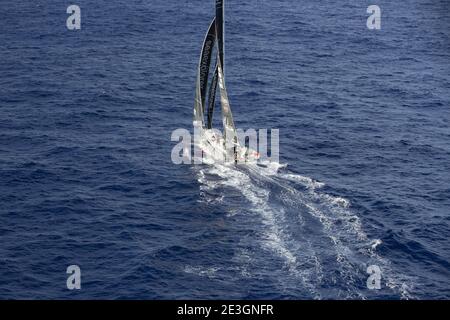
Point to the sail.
(227, 117)
(203, 74)
(215, 34)
(227, 146)
(212, 97)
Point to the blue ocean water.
(86, 175)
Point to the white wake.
(317, 236)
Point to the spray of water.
(319, 239)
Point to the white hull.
(212, 145)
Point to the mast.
(220, 37)
(220, 16)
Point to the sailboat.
(214, 145)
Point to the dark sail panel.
(203, 74)
(205, 61)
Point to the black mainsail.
(203, 73)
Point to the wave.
(319, 241)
